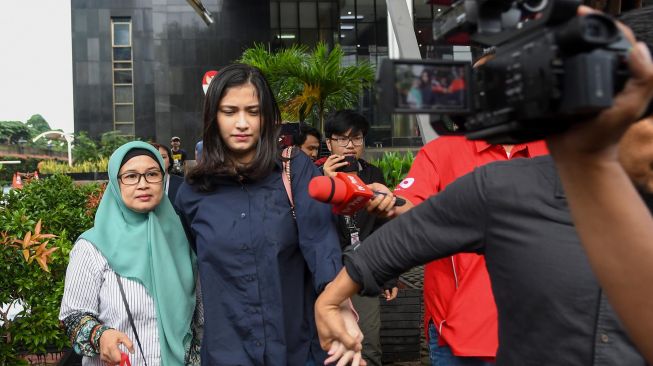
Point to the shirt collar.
(482, 145)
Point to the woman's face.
(145, 195)
(239, 122)
(166, 158)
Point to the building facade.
(138, 64)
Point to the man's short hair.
(340, 122)
(304, 131)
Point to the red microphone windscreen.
(328, 190)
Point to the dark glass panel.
(327, 15)
(307, 15)
(124, 94)
(288, 14)
(122, 77)
(122, 53)
(125, 113)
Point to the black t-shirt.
(179, 155)
(550, 306)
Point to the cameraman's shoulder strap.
(286, 155)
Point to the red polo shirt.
(457, 293)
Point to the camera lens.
(535, 6)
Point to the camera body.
(551, 70)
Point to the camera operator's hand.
(332, 164)
(598, 137)
(612, 221)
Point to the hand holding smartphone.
(352, 165)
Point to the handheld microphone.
(347, 193)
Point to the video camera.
(551, 69)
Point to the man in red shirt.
(459, 309)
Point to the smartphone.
(351, 167)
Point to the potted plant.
(309, 84)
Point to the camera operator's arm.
(613, 223)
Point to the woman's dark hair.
(340, 122)
(216, 161)
(167, 149)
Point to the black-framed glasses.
(132, 178)
(344, 141)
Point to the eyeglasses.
(344, 141)
(130, 179)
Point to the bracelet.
(96, 333)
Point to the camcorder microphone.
(347, 193)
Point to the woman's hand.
(338, 351)
(332, 164)
(109, 341)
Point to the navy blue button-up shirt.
(259, 267)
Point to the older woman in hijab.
(130, 283)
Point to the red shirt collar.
(484, 145)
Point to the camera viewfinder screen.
(428, 87)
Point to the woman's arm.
(80, 306)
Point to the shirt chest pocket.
(278, 223)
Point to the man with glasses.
(345, 137)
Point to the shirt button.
(243, 215)
(605, 338)
(258, 343)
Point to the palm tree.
(308, 85)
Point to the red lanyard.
(124, 359)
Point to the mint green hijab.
(149, 248)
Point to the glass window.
(381, 9)
(125, 113)
(327, 15)
(289, 14)
(274, 15)
(365, 10)
(287, 37)
(122, 77)
(382, 33)
(307, 16)
(308, 37)
(328, 36)
(121, 34)
(366, 35)
(124, 94)
(422, 10)
(347, 10)
(122, 65)
(125, 129)
(122, 53)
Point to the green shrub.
(7, 170)
(394, 166)
(38, 227)
(55, 167)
